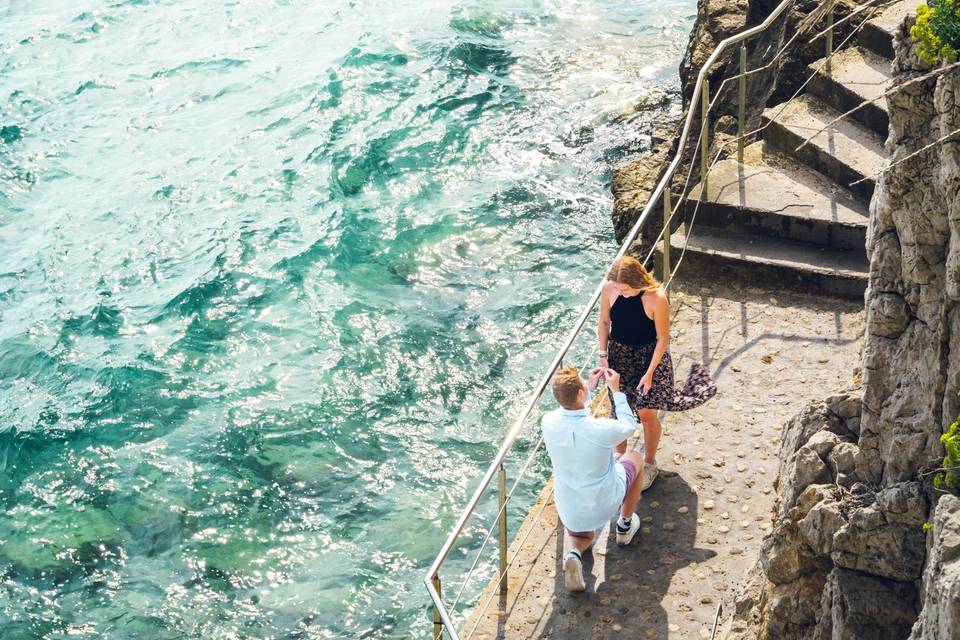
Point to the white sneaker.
(626, 537)
(650, 473)
(573, 573)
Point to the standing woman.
(634, 335)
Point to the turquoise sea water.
(273, 278)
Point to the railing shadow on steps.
(444, 615)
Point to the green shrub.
(937, 31)
(951, 462)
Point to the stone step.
(877, 33)
(719, 253)
(772, 195)
(845, 152)
(855, 75)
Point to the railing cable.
(887, 93)
(916, 153)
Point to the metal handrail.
(431, 579)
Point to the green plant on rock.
(937, 31)
(950, 477)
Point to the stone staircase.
(789, 217)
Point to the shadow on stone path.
(617, 574)
(704, 518)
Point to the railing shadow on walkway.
(709, 350)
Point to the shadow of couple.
(628, 588)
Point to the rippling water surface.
(273, 276)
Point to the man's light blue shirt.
(588, 484)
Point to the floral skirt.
(631, 362)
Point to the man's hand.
(613, 380)
(594, 378)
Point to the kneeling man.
(589, 485)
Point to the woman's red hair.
(629, 271)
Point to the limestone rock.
(634, 181)
(793, 606)
(747, 605)
(804, 468)
(785, 556)
(914, 250)
(811, 419)
(821, 524)
(822, 442)
(845, 405)
(855, 605)
(716, 20)
(885, 539)
(843, 458)
(940, 617)
(891, 315)
(904, 503)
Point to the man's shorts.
(631, 472)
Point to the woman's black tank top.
(630, 322)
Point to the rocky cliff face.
(848, 556)
(912, 354)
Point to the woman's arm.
(661, 318)
(603, 328)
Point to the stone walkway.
(705, 516)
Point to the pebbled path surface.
(706, 515)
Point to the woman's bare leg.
(651, 433)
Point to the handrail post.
(502, 502)
(666, 234)
(741, 107)
(437, 621)
(829, 37)
(704, 137)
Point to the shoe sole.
(573, 575)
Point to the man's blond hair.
(566, 385)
